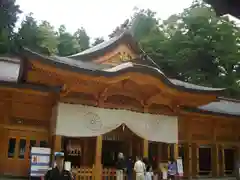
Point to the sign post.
(40, 160)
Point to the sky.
(98, 17)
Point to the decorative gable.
(121, 54)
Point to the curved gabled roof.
(105, 70)
(223, 106)
(100, 49)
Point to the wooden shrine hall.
(108, 99)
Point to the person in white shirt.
(120, 166)
(139, 168)
(149, 173)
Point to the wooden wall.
(25, 117)
(213, 131)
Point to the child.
(172, 170)
(149, 173)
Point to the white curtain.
(86, 121)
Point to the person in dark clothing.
(58, 172)
(129, 168)
(120, 166)
(146, 162)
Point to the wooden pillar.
(98, 159)
(145, 148)
(3, 153)
(168, 151)
(85, 152)
(194, 160)
(57, 143)
(175, 147)
(187, 160)
(145, 142)
(215, 156)
(221, 160)
(215, 151)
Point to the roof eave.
(197, 110)
(125, 37)
(138, 69)
(28, 86)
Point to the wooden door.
(19, 149)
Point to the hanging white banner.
(86, 121)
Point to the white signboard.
(180, 167)
(40, 160)
(67, 165)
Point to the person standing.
(129, 168)
(120, 166)
(149, 173)
(139, 168)
(58, 172)
(172, 170)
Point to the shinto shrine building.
(112, 98)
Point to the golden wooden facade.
(29, 114)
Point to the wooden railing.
(87, 173)
(110, 174)
(83, 173)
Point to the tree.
(48, 37)
(142, 23)
(28, 33)
(194, 46)
(67, 43)
(8, 17)
(204, 48)
(82, 38)
(98, 41)
(40, 38)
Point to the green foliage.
(68, 44)
(195, 46)
(82, 38)
(28, 31)
(98, 41)
(47, 37)
(8, 16)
